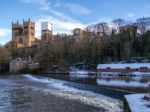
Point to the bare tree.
(102, 28)
(4, 59)
(143, 24)
(120, 22)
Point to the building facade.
(19, 63)
(16, 64)
(79, 33)
(46, 31)
(23, 35)
(124, 68)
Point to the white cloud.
(104, 19)
(77, 9)
(4, 32)
(5, 35)
(61, 23)
(74, 8)
(58, 3)
(130, 15)
(42, 4)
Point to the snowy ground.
(86, 97)
(80, 72)
(137, 103)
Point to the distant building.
(79, 33)
(124, 68)
(129, 29)
(19, 63)
(46, 31)
(23, 35)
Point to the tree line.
(101, 45)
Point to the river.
(27, 93)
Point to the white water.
(86, 97)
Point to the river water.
(28, 93)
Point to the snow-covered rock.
(137, 103)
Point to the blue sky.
(68, 14)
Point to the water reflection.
(108, 80)
(84, 77)
(125, 81)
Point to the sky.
(66, 15)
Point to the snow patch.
(137, 103)
(79, 72)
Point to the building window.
(32, 28)
(108, 68)
(143, 68)
(128, 68)
(32, 33)
(25, 32)
(25, 27)
(21, 40)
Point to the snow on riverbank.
(122, 83)
(137, 103)
(80, 72)
(87, 97)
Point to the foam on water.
(87, 97)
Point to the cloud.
(42, 4)
(77, 9)
(73, 7)
(104, 19)
(4, 32)
(58, 3)
(130, 15)
(5, 35)
(61, 23)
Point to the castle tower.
(78, 33)
(29, 33)
(17, 34)
(46, 30)
(23, 35)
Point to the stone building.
(124, 68)
(23, 35)
(16, 64)
(79, 33)
(46, 31)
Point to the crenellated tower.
(23, 35)
(46, 31)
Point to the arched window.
(21, 40)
